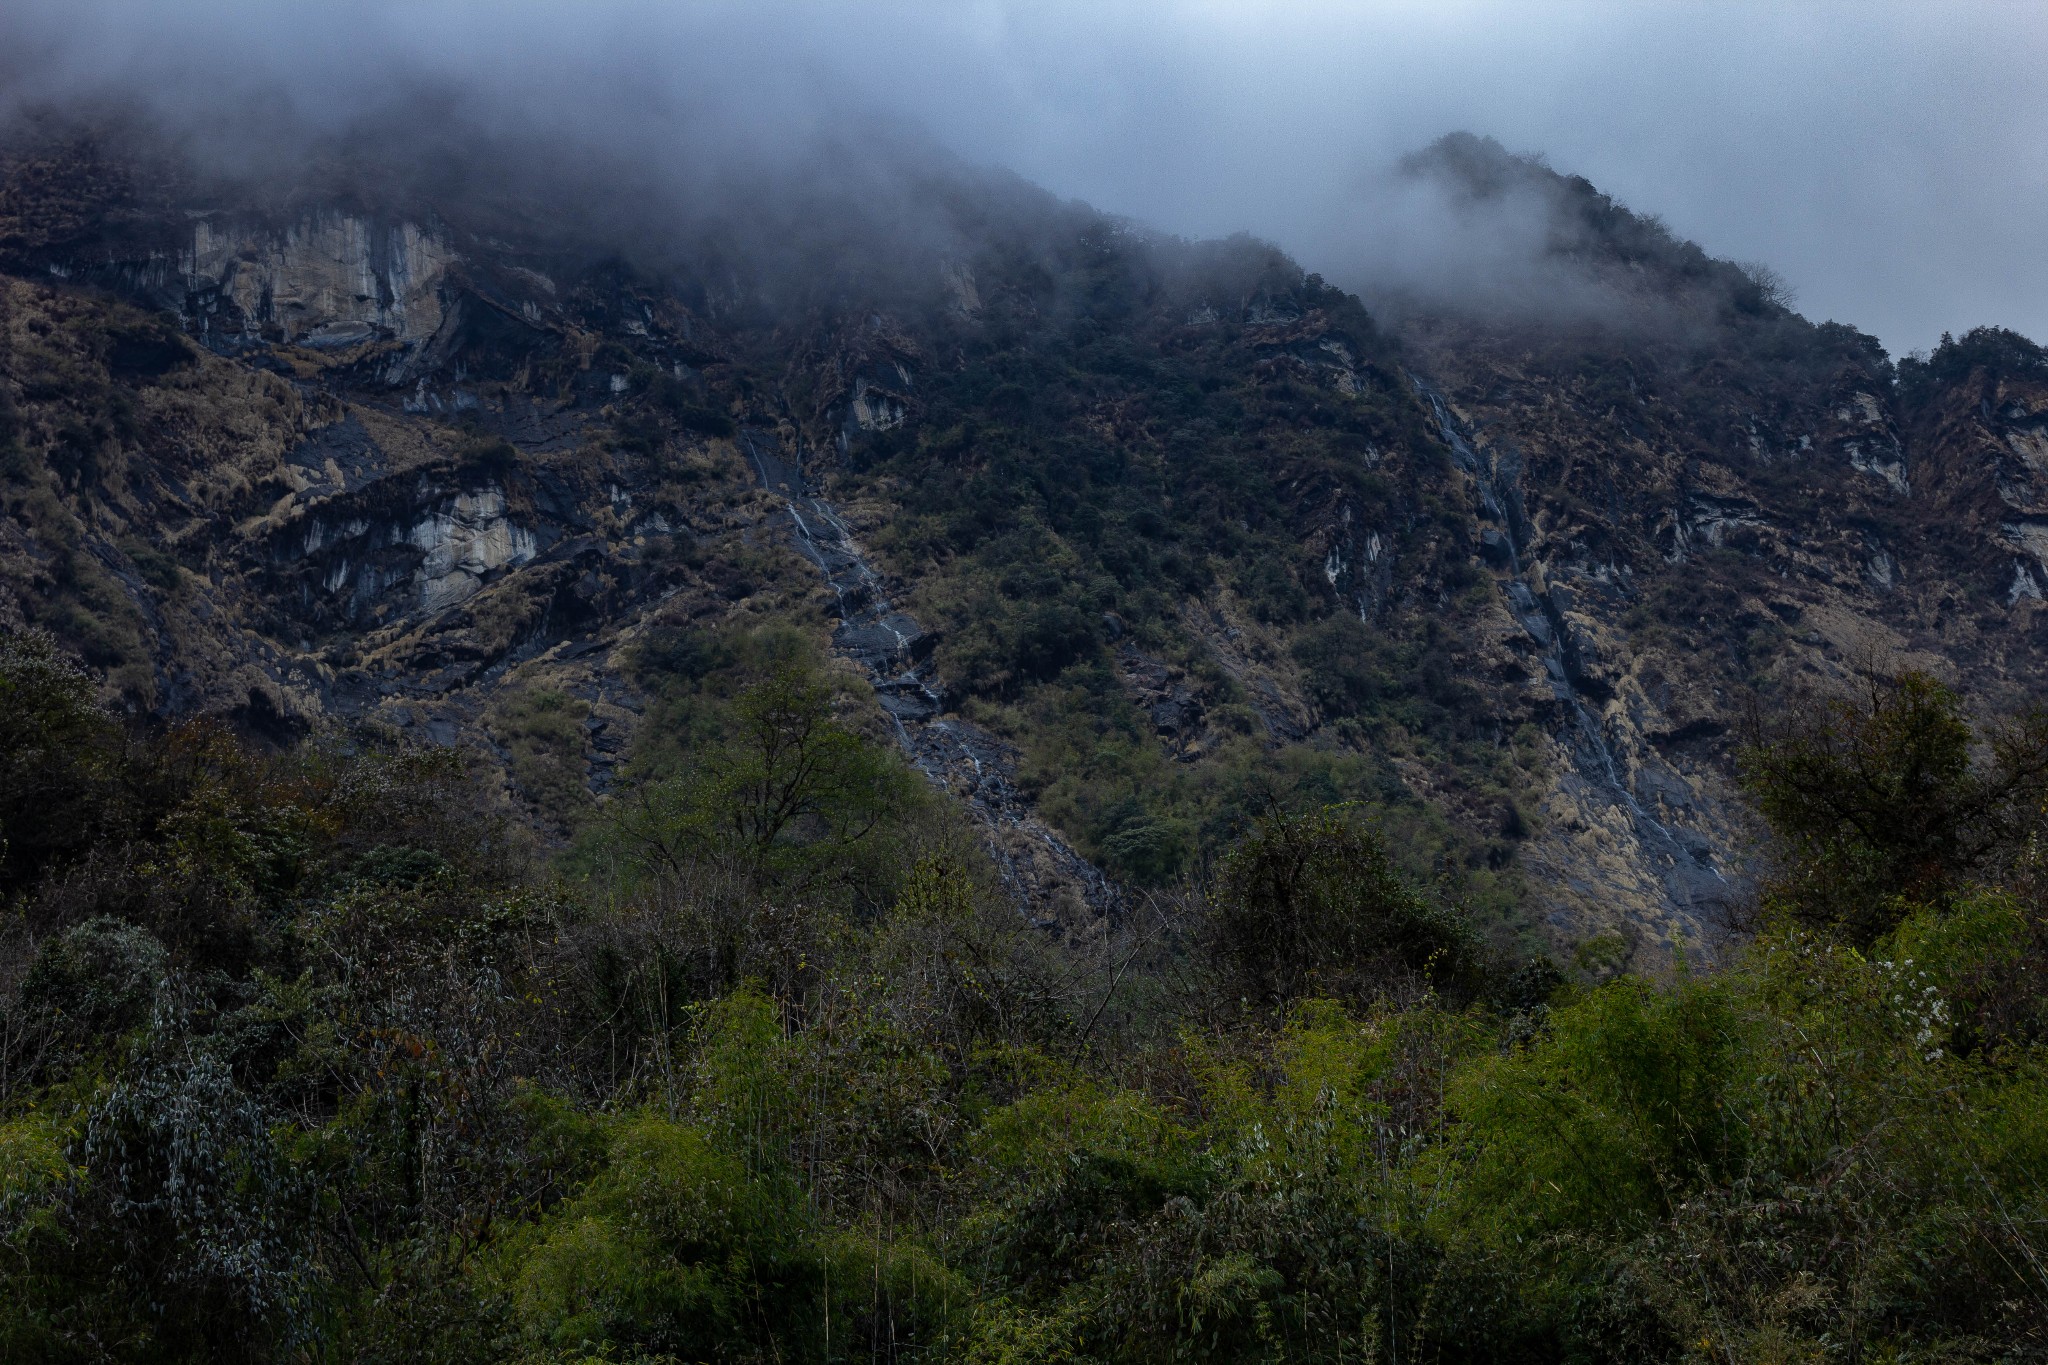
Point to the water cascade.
(1684, 861)
(894, 652)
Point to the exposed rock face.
(893, 652)
(1720, 531)
(1623, 826)
(463, 542)
(329, 279)
(394, 471)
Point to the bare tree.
(1775, 289)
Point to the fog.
(1889, 160)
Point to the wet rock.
(1052, 882)
(1599, 822)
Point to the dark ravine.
(1039, 867)
(1685, 861)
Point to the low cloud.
(1891, 160)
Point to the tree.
(1890, 799)
(60, 755)
(1312, 903)
(788, 792)
(1773, 290)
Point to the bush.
(785, 792)
(436, 1110)
(60, 759)
(87, 988)
(675, 1250)
(1877, 802)
(1313, 904)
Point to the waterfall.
(894, 652)
(1684, 862)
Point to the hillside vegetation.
(1180, 532)
(306, 1056)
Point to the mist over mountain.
(829, 683)
(1233, 464)
(1886, 162)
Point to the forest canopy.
(306, 1054)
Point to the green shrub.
(1313, 904)
(60, 758)
(425, 1107)
(1879, 804)
(1621, 1110)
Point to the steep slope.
(1708, 497)
(1128, 537)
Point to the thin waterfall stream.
(1684, 861)
(954, 754)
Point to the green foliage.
(424, 1105)
(90, 986)
(1879, 803)
(1982, 957)
(791, 774)
(1095, 768)
(1352, 672)
(542, 730)
(675, 1250)
(1620, 1113)
(1313, 905)
(698, 1239)
(59, 758)
(756, 769)
(1773, 1151)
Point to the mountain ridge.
(1182, 528)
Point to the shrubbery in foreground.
(302, 1061)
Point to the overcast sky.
(1890, 160)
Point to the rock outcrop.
(382, 467)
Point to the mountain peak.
(1570, 237)
(1036, 473)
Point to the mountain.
(1126, 537)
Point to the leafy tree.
(438, 1110)
(1313, 904)
(788, 794)
(86, 989)
(1890, 799)
(60, 758)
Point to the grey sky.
(1890, 160)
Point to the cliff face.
(1708, 499)
(1124, 535)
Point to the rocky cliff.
(1124, 536)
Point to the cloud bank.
(1890, 160)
